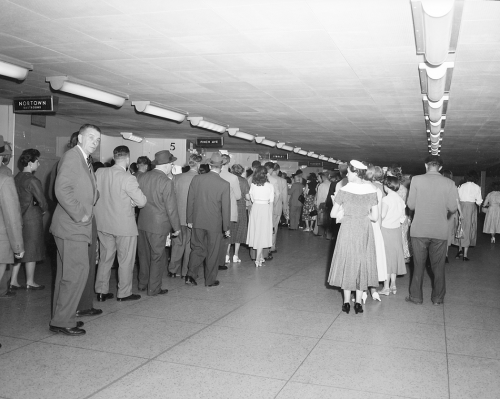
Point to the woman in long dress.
(453, 218)
(260, 224)
(492, 221)
(33, 206)
(470, 197)
(239, 229)
(354, 263)
(393, 215)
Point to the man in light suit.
(181, 245)
(280, 204)
(432, 196)
(76, 192)
(156, 220)
(119, 194)
(208, 215)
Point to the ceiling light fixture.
(131, 137)
(435, 110)
(323, 158)
(283, 146)
(435, 127)
(435, 81)
(234, 132)
(262, 140)
(436, 25)
(302, 152)
(81, 88)
(296, 150)
(162, 111)
(13, 68)
(198, 121)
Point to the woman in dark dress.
(33, 206)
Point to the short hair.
(288, 180)
(27, 156)
(358, 172)
(194, 160)
(447, 173)
(391, 182)
(225, 159)
(378, 174)
(98, 165)
(185, 168)
(121, 152)
(276, 167)
(260, 176)
(335, 175)
(312, 177)
(370, 171)
(269, 165)
(204, 168)
(396, 171)
(133, 167)
(471, 176)
(434, 160)
(237, 169)
(73, 140)
(143, 160)
(88, 126)
(255, 164)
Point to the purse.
(301, 198)
(484, 209)
(459, 234)
(314, 212)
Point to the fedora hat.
(163, 157)
(4, 149)
(216, 159)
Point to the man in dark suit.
(432, 196)
(208, 215)
(119, 194)
(76, 192)
(156, 221)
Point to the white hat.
(358, 165)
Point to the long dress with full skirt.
(492, 221)
(260, 221)
(469, 224)
(354, 263)
(379, 239)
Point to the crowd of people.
(131, 212)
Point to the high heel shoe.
(346, 307)
(258, 264)
(364, 295)
(492, 240)
(385, 291)
(358, 308)
(459, 255)
(394, 289)
(465, 259)
(376, 297)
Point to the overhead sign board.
(217, 142)
(315, 164)
(277, 157)
(35, 105)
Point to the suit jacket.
(209, 203)
(160, 215)
(280, 195)
(11, 225)
(235, 193)
(114, 211)
(181, 188)
(5, 170)
(432, 196)
(76, 193)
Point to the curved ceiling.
(337, 77)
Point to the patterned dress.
(354, 263)
(405, 226)
(492, 221)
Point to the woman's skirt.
(469, 224)
(394, 251)
(240, 228)
(452, 227)
(380, 252)
(33, 238)
(308, 207)
(492, 221)
(260, 226)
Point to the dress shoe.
(358, 308)
(162, 292)
(131, 297)
(465, 259)
(214, 284)
(8, 295)
(269, 257)
(189, 280)
(33, 288)
(409, 299)
(459, 255)
(437, 303)
(223, 268)
(346, 307)
(79, 324)
(72, 332)
(103, 297)
(15, 287)
(88, 312)
(173, 275)
(142, 289)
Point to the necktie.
(89, 164)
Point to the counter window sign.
(210, 142)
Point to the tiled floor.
(273, 332)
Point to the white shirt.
(470, 192)
(263, 193)
(322, 192)
(395, 210)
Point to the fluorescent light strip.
(162, 111)
(234, 132)
(131, 137)
(198, 121)
(87, 90)
(13, 68)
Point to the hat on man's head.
(434, 159)
(216, 159)
(163, 157)
(4, 148)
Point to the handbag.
(314, 212)
(301, 198)
(459, 234)
(484, 209)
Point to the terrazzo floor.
(273, 332)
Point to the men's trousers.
(295, 217)
(71, 277)
(152, 260)
(4, 279)
(88, 295)
(436, 249)
(277, 211)
(205, 246)
(110, 245)
(181, 249)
